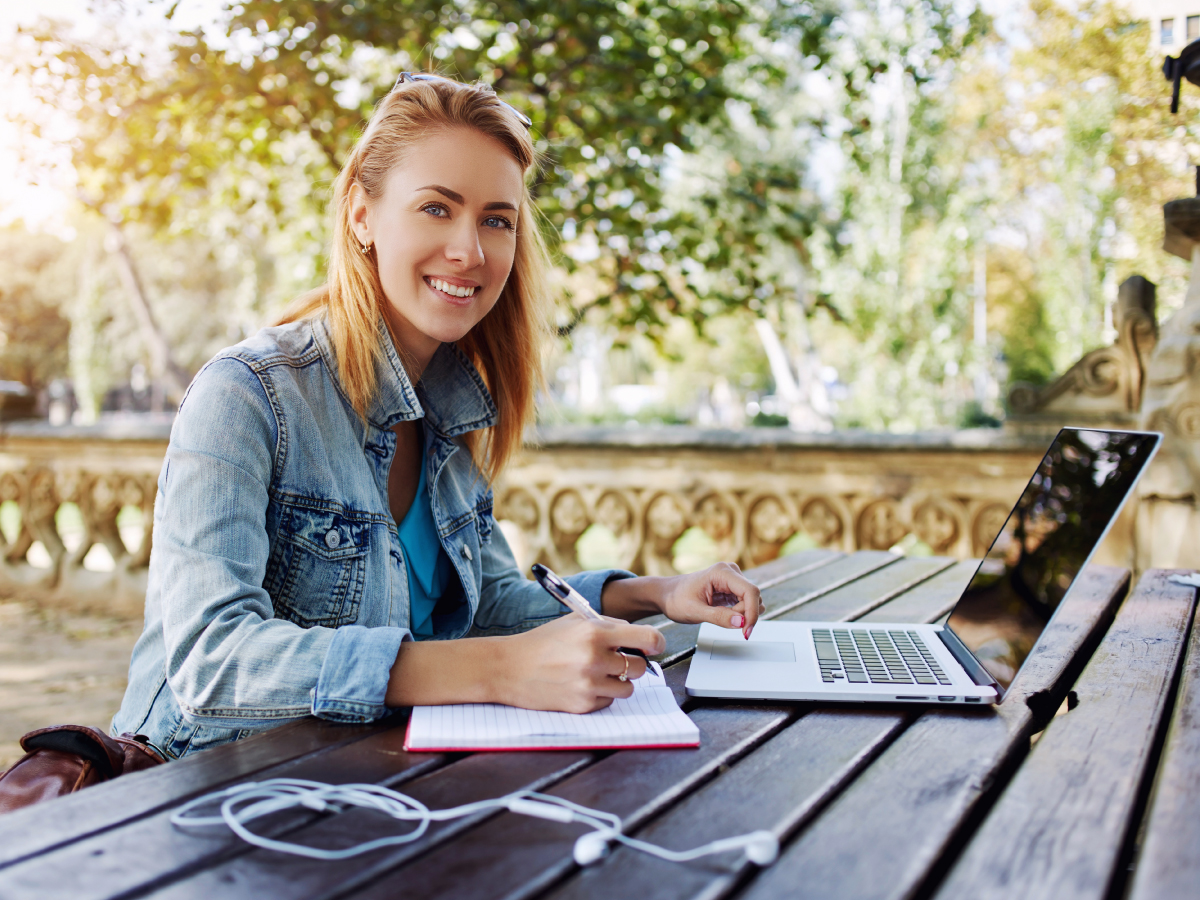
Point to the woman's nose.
(464, 247)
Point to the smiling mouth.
(453, 290)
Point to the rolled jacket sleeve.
(354, 674)
(229, 661)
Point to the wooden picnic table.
(1098, 801)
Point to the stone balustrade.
(100, 471)
(750, 492)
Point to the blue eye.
(436, 210)
(498, 222)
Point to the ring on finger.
(624, 676)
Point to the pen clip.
(551, 582)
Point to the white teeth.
(452, 289)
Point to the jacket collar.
(450, 395)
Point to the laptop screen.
(1065, 511)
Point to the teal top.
(429, 569)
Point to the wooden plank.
(39, 828)
(636, 782)
(865, 844)
(1058, 829)
(873, 590)
(772, 573)
(1168, 864)
(931, 601)
(788, 595)
(777, 788)
(150, 850)
(786, 567)
(785, 595)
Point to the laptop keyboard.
(875, 655)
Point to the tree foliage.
(33, 326)
(1086, 153)
(833, 165)
(614, 87)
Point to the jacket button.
(466, 551)
(332, 538)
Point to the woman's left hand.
(719, 594)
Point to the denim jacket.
(277, 586)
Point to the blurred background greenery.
(762, 211)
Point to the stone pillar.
(1169, 514)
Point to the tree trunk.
(166, 371)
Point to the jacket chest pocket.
(317, 568)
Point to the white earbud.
(591, 848)
(762, 848)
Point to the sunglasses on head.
(410, 76)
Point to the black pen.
(574, 601)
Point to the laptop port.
(914, 698)
(947, 699)
(973, 699)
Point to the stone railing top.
(117, 428)
(681, 437)
(663, 437)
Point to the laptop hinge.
(966, 659)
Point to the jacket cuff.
(354, 674)
(591, 584)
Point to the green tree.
(613, 87)
(1083, 151)
(891, 262)
(36, 281)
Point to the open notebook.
(649, 718)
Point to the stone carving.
(937, 524)
(1106, 384)
(987, 524)
(1171, 506)
(821, 522)
(569, 515)
(880, 525)
(519, 506)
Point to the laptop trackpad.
(753, 651)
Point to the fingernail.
(737, 621)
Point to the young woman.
(323, 540)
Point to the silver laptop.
(1052, 532)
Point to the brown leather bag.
(63, 759)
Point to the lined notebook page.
(649, 718)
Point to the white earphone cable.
(243, 803)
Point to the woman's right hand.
(572, 664)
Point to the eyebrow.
(458, 198)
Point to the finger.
(724, 598)
(630, 666)
(612, 689)
(599, 702)
(724, 616)
(640, 637)
(728, 579)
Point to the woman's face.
(444, 236)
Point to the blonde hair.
(505, 346)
